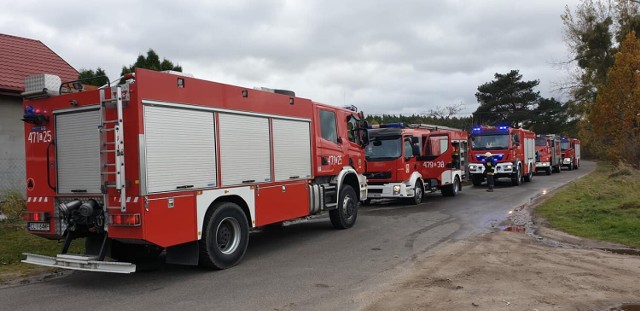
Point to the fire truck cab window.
(541, 141)
(490, 142)
(408, 150)
(328, 125)
(352, 130)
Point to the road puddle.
(514, 228)
(627, 307)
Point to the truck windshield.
(564, 145)
(541, 141)
(384, 148)
(490, 142)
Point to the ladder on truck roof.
(432, 127)
(112, 142)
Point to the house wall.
(12, 163)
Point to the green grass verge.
(604, 205)
(15, 240)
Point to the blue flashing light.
(503, 127)
(476, 129)
(29, 111)
(481, 157)
(351, 107)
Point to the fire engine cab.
(570, 153)
(157, 161)
(514, 150)
(548, 155)
(406, 162)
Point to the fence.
(12, 175)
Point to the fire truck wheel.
(453, 189)
(477, 179)
(225, 237)
(418, 193)
(529, 177)
(517, 179)
(548, 171)
(345, 215)
(570, 166)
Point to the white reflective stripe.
(128, 199)
(29, 199)
(39, 199)
(46, 199)
(135, 200)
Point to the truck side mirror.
(415, 149)
(364, 138)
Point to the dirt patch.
(520, 266)
(512, 271)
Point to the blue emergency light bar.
(477, 129)
(351, 107)
(389, 125)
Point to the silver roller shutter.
(78, 152)
(245, 156)
(291, 149)
(180, 149)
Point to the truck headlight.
(396, 189)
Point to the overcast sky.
(381, 56)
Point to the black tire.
(225, 237)
(570, 167)
(344, 216)
(548, 170)
(517, 180)
(529, 177)
(453, 189)
(418, 193)
(477, 179)
(134, 253)
(577, 166)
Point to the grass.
(15, 240)
(605, 205)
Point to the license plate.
(38, 226)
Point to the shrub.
(13, 205)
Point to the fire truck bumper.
(504, 169)
(395, 190)
(79, 262)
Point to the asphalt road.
(303, 266)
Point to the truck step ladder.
(112, 168)
(79, 262)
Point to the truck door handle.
(52, 143)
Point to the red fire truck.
(548, 155)
(514, 150)
(404, 163)
(170, 162)
(570, 152)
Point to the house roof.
(22, 57)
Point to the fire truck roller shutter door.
(78, 151)
(291, 149)
(180, 148)
(245, 153)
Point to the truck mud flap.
(79, 262)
